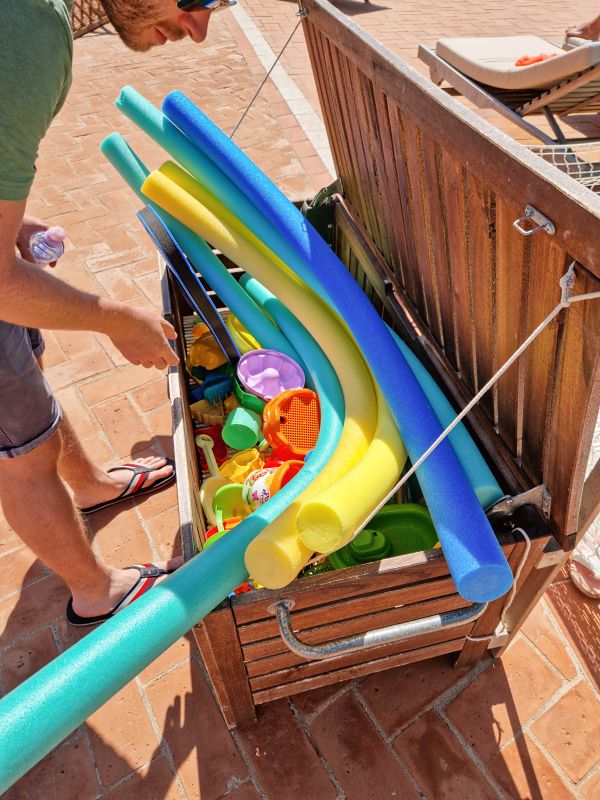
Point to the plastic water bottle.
(47, 246)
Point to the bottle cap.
(54, 235)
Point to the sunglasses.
(211, 5)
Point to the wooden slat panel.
(456, 227)
(425, 264)
(481, 218)
(394, 211)
(438, 232)
(308, 670)
(492, 157)
(273, 655)
(87, 15)
(369, 150)
(412, 285)
(510, 321)
(548, 265)
(483, 178)
(343, 584)
(356, 671)
(220, 648)
(349, 609)
(575, 408)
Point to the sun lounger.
(483, 70)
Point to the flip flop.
(148, 575)
(136, 486)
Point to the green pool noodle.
(134, 172)
(37, 715)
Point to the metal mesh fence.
(87, 15)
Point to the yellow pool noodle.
(281, 547)
(327, 514)
(330, 520)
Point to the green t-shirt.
(36, 52)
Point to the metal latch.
(539, 497)
(541, 220)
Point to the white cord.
(566, 284)
(513, 591)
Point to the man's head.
(141, 24)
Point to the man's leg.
(92, 485)
(38, 507)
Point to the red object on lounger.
(526, 61)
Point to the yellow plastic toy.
(237, 468)
(242, 338)
(204, 351)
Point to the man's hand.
(142, 337)
(29, 226)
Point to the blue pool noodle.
(44, 709)
(480, 476)
(478, 566)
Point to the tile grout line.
(470, 752)
(305, 727)
(445, 697)
(254, 779)
(571, 652)
(556, 766)
(543, 657)
(310, 718)
(313, 128)
(388, 744)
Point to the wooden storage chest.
(423, 216)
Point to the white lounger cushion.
(491, 60)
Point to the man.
(39, 450)
(144, 25)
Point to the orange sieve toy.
(291, 423)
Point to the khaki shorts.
(29, 413)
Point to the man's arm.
(32, 297)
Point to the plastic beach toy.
(220, 529)
(239, 466)
(243, 429)
(209, 486)
(291, 423)
(247, 400)
(262, 484)
(394, 531)
(267, 373)
(228, 503)
(242, 338)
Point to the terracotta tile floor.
(526, 726)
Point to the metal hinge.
(324, 194)
(539, 497)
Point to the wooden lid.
(436, 190)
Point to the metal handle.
(363, 641)
(542, 222)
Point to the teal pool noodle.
(37, 715)
(480, 476)
(154, 123)
(134, 172)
